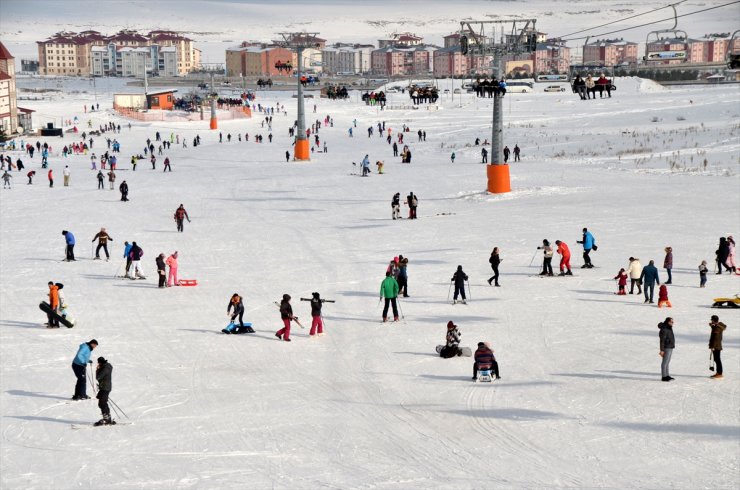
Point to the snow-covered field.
(370, 405)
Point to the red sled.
(188, 282)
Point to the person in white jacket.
(634, 271)
(66, 174)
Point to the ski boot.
(395, 318)
(106, 420)
(569, 273)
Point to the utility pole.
(298, 41)
(497, 39)
(213, 95)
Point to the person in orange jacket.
(54, 303)
(564, 253)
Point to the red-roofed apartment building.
(8, 104)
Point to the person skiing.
(667, 344)
(54, 305)
(635, 272)
(180, 215)
(547, 262)
(69, 239)
(172, 264)
(621, 279)
(459, 278)
(124, 191)
(79, 366)
(715, 344)
(403, 276)
(286, 315)
(668, 263)
(588, 243)
(389, 292)
(103, 375)
(564, 253)
(413, 202)
(452, 342)
(648, 278)
(484, 359)
(102, 237)
(127, 255)
(111, 179)
(365, 166)
(663, 297)
(101, 178)
(494, 260)
(136, 253)
(7, 177)
(161, 270)
(396, 205)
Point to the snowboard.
(464, 351)
(46, 308)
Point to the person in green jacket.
(389, 291)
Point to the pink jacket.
(171, 262)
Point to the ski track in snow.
(370, 405)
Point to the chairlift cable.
(625, 18)
(654, 22)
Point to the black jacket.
(286, 311)
(136, 252)
(494, 260)
(459, 277)
(667, 340)
(160, 264)
(238, 307)
(103, 375)
(123, 188)
(316, 306)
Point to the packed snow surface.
(371, 405)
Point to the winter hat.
(101, 360)
(286, 297)
(315, 295)
(557, 242)
(93, 341)
(545, 242)
(631, 259)
(450, 325)
(481, 344)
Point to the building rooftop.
(4, 53)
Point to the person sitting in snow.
(663, 297)
(484, 359)
(452, 342)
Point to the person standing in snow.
(101, 178)
(7, 177)
(317, 321)
(180, 215)
(102, 237)
(286, 315)
(703, 270)
(111, 178)
(648, 278)
(452, 342)
(161, 270)
(53, 304)
(517, 151)
(127, 255)
(403, 276)
(69, 239)
(79, 366)
(668, 263)
(484, 359)
(103, 374)
(459, 278)
(30, 176)
(172, 264)
(123, 188)
(413, 202)
(365, 166)
(136, 254)
(507, 152)
(731, 254)
(50, 175)
(287, 156)
(66, 173)
(484, 155)
(393, 268)
(547, 262)
(389, 293)
(494, 260)
(167, 164)
(723, 254)
(715, 344)
(564, 252)
(395, 205)
(667, 344)
(588, 243)
(621, 279)
(635, 272)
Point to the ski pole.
(711, 361)
(119, 268)
(119, 408)
(92, 383)
(400, 310)
(533, 257)
(470, 291)
(448, 292)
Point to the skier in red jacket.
(564, 252)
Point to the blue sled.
(235, 328)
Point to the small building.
(160, 100)
(25, 120)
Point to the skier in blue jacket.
(79, 366)
(126, 255)
(70, 250)
(588, 243)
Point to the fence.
(181, 116)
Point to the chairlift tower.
(496, 39)
(298, 41)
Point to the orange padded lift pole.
(302, 150)
(499, 181)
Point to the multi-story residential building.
(610, 52)
(347, 58)
(254, 59)
(8, 102)
(90, 53)
(29, 66)
(312, 60)
(112, 60)
(551, 57)
(450, 62)
(400, 61)
(404, 39)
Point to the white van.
(519, 86)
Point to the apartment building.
(347, 58)
(402, 61)
(8, 102)
(255, 59)
(610, 52)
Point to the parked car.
(457, 91)
(554, 88)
